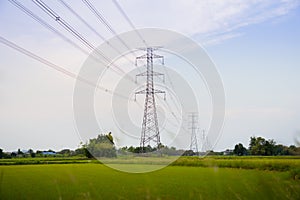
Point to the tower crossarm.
(147, 56)
(151, 74)
(145, 91)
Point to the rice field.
(187, 178)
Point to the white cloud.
(207, 18)
(216, 39)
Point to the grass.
(216, 177)
(96, 181)
(45, 160)
(274, 163)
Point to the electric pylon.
(206, 146)
(150, 130)
(194, 128)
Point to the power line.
(57, 18)
(45, 24)
(54, 30)
(64, 24)
(90, 27)
(129, 21)
(118, 6)
(75, 33)
(109, 27)
(49, 27)
(56, 67)
(101, 18)
(81, 19)
(178, 119)
(169, 120)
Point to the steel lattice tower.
(150, 130)
(206, 146)
(194, 128)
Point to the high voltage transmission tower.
(206, 146)
(150, 129)
(194, 128)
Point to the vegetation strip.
(276, 163)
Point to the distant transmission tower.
(205, 143)
(150, 130)
(194, 128)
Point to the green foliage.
(272, 163)
(170, 151)
(1, 153)
(100, 147)
(162, 150)
(65, 152)
(212, 153)
(80, 152)
(189, 153)
(31, 153)
(257, 146)
(261, 146)
(45, 160)
(146, 149)
(240, 150)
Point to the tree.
(101, 147)
(86, 152)
(261, 146)
(188, 153)
(1, 153)
(131, 149)
(20, 152)
(50, 150)
(170, 151)
(256, 146)
(65, 152)
(269, 147)
(240, 150)
(13, 154)
(80, 151)
(280, 150)
(31, 152)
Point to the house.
(228, 152)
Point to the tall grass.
(276, 163)
(45, 160)
(261, 163)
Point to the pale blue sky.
(254, 44)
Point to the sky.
(254, 44)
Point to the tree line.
(259, 146)
(103, 146)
